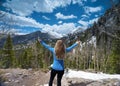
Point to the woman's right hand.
(78, 42)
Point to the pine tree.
(8, 59)
(26, 59)
(114, 61)
(23, 60)
(0, 58)
(38, 55)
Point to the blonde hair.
(60, 49)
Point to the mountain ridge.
(28, 38)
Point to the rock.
(109, 84)
(24, 76)
(35, 73)
(6, 82)
(8, 74)
(9, 80)
(70, 81)
(30, 69)
(117, 83)
(17, 81)
(37, 84)
(20, 74)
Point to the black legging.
(59, 76)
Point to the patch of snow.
(91, 76)
(93, 40)
(44, 85)
(47, 85)
(81, 46)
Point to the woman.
(59, 52)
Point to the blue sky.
(57, 17)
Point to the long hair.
(60, 49)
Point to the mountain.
(104, 29)
(28, 38)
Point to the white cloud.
(96, 15)
(89, 10)
(26, 7)
(84, 17)
(80, 2)
(61, 16)
(58, 30)
(60, 22)
(85, 24)
(64, 28)
(93, 20)
(46, 18)
(30, 5)
(21, 21)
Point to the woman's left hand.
(39, 40)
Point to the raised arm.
(46, 46)
(72, 46)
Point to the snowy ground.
(91, 76)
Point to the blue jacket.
(57, 63)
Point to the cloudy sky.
(57, 17)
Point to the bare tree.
(6, 23)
